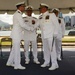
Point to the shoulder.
(24, 17)
(17, 13)
(51, 13)
(34, 17)
(40, 17)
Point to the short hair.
(18, 6)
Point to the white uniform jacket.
(30, 35)
(18, 25)
(49, 25)
(61, 28)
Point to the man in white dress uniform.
(48, 24)
(30, 37)
(16, 35)
(61, 29)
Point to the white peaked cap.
(29, 7)
(43, 4)
(20, 3)
(56, 9)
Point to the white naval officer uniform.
(58, 41)
(61, 32)
(48, 24)
(16, 35)
(30, 37)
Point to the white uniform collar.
(45, 13)
(19, 12)
(29, 16)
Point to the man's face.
(22, 7)
(56, 13)
(43, 9)
(29, 12)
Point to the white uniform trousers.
(47, 45)
(54, 55)
(58, 44)
(14, 57)
(34, 46)
(49, 51)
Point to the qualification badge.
(47, 17)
